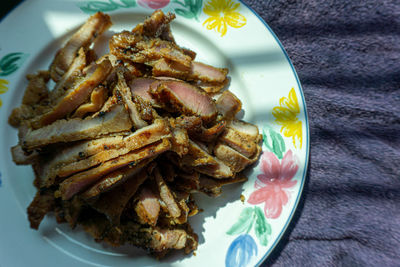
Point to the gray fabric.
(347, 56)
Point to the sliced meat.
(212, 88)
(197, 71)
(141, 87)
(97, 100)
(189, 52)
(228, 105)
(143, 50)
(37, 89)
(187, 182)
(90, 153)
(110, 102)
(168, 199)
(114, 121)
(180, 141)
(168, 68)
(112, 203)
(72, 210)
(168, 239)
(196, 130)
(212, 187)
(69, 77)
(207, 73)
(75, 96)
(115, 178)
(167, 170)
(148, 207)
(126, 95)
(155, 239)
(35, 100)
(83, 180)
(84, 37)
(42, 204)
(243, 137)
(185, 98)
(203, 162)
(138, 139)
(236, 161)
(157, 25)
(20, 157)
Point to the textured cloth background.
(347, 56)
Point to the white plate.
(231, 232)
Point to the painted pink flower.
(273, 184)
(154, 4)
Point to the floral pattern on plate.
(223, 13)
(8, 65)
(279, 166)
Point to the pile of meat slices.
(121, 142)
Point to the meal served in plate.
(122, 141)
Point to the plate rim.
(304, 175)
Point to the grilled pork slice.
(139, 49)
(155, 239)
(90, 153)
(148, 206)
(114, 121)
(169, 203)
(157, 25)
(136, 140)
(243, 137)
(141, 87)
(182, 198)
(35, 100)
(180, 141)
(196, 72)
(42, 204)
(113, 179)
(212, 88)
(75, 96)
(201, 161)
(228, 105)
(20, 157)
(112, 203)
(84, 37)
(126, 95)
(236, 161)
(69, 77)
(97, 99)
(207, 73)
(185, 98)
(196, 130)
(187, 181)
(81, 181)
(213, 187)
(169, 68)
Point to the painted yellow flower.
(286, 115)
(223, 13)
(3, 88)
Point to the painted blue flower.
(240, 252)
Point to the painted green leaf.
(129, 3)
(262, 227)
(274, 142)
(189, 8)
(91, 7)
(11, 62)
(244, 223)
